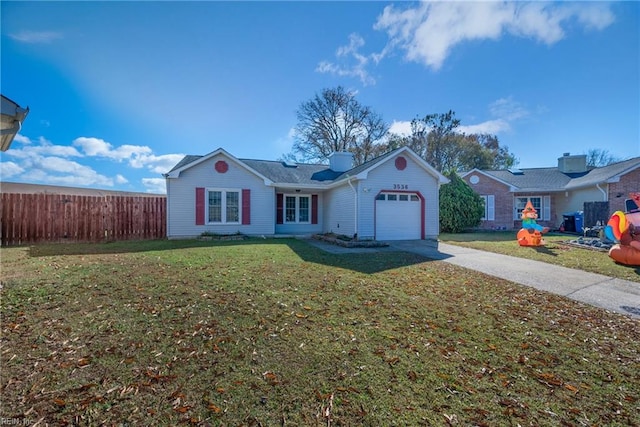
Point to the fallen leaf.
(393, 360)
(571, 388)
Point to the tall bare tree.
(335, 121)
(597, 157)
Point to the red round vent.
(221, 166)
(401, 163)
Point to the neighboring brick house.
(553, 191)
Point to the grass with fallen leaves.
(556, 250)
(277, 332)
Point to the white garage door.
(398, 216)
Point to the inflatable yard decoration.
(531, 233)
(624, 228)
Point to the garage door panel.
(398, 219)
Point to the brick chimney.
(572, 164)
(340, 161)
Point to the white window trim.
(489, 208)
(297, 208)
(385, 197)
(224, 192)
(544, 213)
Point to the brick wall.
(619, 191)
(503, 201)
(504, 204)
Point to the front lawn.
(277, 332)
(555, 251)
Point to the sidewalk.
(617, 295)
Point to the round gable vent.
(401, 163)
(221, 166)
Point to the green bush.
(460, 207)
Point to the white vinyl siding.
(339, 210)
(181, 200)
(384, 178)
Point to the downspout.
(355, 192)
(606, 196)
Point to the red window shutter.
(246, 207)
(314, 209)
(279, 208)
(200, 206)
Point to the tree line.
(335, 120)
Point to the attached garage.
(399, 216)
(391, 197)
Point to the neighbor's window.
(489, 208)
(296, 209)
(540, 203)
(224, 206)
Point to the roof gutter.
(12, 117)
(355, 213)
(605, 195)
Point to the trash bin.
(579, 220)
(569, 222)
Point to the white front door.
(398, 216)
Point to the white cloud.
(21, 139)
(56, 170)
(284, 144)
(402, 128)
(42, 161)
(33, 37)
(429, 31)
(10, 169)
(43, 150)
(155, 185)
(508, 109)
(504, 110)
(351, 62)
(158, 164)
(492, 127)
(137, 156)
(100, 148)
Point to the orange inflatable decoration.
(531, 233)
(624, 228)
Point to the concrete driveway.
(617, 295)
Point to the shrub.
(460, 207)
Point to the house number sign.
(400, 186)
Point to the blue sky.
(119, 91)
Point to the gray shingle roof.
(551, 179)
(185, 161)
(605, 173)
(301, 173)
(280, 172)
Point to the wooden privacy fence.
(33, 218)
